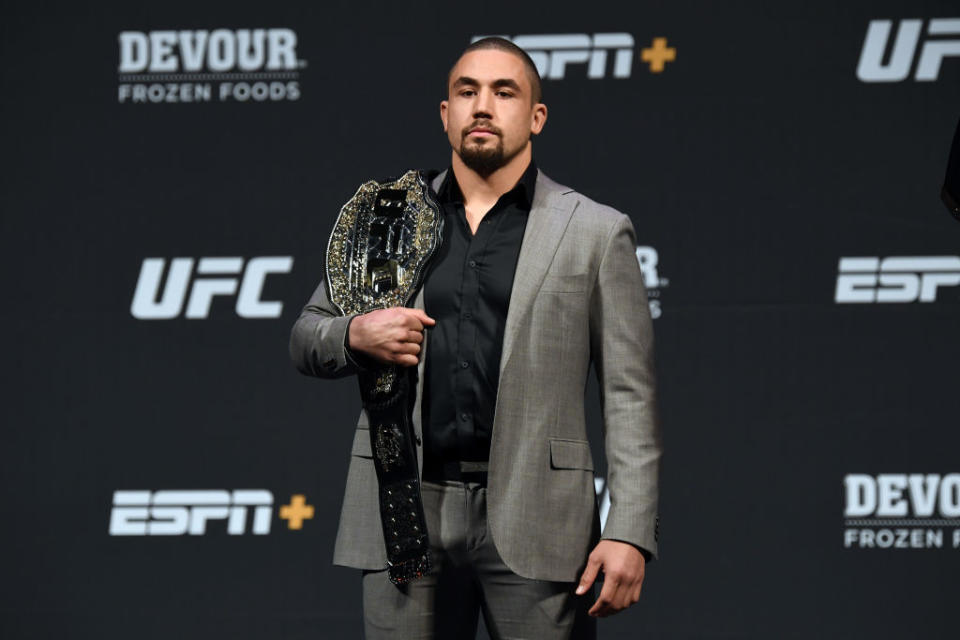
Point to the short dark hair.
(502, 44)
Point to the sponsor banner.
(913, 48)
(596, 56)
(197, 288)
(653, 281)
(901, 511)
(197, 512)
(218, 65)
(896, 279)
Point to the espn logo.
(175, 513)
(551, 53)
(895, 279)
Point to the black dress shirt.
(467, 291)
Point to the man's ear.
(443, 113)
(539, 118)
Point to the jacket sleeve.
(318, 341)
(621, 343)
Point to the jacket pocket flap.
(564, 283)
(570, 454)
(361, 444)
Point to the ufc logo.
(872, 68)
(214, 277)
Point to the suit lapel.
(438, 181)
(546, 225)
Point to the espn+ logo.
(190, 511)
(895, 279)
(906, 43)
(214, 277)
(552, 53)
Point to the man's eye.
(467, 92)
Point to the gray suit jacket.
(577, 297)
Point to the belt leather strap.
(377, 256)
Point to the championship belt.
(376, 258)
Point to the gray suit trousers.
(470, 578)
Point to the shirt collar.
(449, 190)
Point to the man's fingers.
(405, 360)
(405, 354)
(402, 348)
(421, 317)
(391, 336)
(589, 575)
(404, 335)
(602, 607)
(615, 597)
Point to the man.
(532, 282)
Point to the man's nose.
(483, 107)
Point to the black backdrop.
(751, 165)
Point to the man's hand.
(391, 336)
(623, 568)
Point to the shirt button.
(464, 364)
(473, 263)
(467, 315)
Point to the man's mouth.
(482, 132)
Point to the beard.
(484, 159)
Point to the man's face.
(489, 114)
